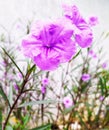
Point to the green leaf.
(0, 120)
(26, 119)
(30, 71)
(13, 61)
(11, 95)
(102, 83)
(77, 54)
(2, 93)
(44, 127)
(9, 128)
(37, 102)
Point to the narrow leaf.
(77, 54)
(13, 61)
(2, 93)
(37, 102)
(11, 95)
(44, 127)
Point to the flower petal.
(66, 49)
(31, 46)
(84, 39)
(45, 63)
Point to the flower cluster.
(54, 42)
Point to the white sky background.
(11, 10)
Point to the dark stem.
(42, 109)
(19, 95)
(13, 106)
(42, 105)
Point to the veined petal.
(46, 63)
(51, 44)
(31, 46)
(66, 49)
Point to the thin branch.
(13, 62)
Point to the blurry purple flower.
(67, 102)
(43, 89)
(50, 44)
(45, 81)
(85, 77)
(93, 21)
(82, 30)
(104, 65)
(16, 86)
(101, 98)
(20, 75)
(4, 63)
(92, 54)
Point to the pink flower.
(101, 98)
(67, 102)
(85, 77)
(16, 87)
(43, 89)
(82, 30)
(104, 65)
(45, 81)
(92, 54)
(93, 21)
(20, 75)
(50, 44)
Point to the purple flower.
(43, 89)
(101, 98)
(20, 75)
(16, 86)
(50, 44)
(85, 77)
(93, 21)
(104, 65)
(82, 30)
(45, 81)
(92, 54)
(67, 102)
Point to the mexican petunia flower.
(104, 65)
(101, 98)
(85, 77)
(93, 21)
(50, 43)
(92, 54)
(67, 101)
(43, 89)
(45, 81)
(82, 30)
